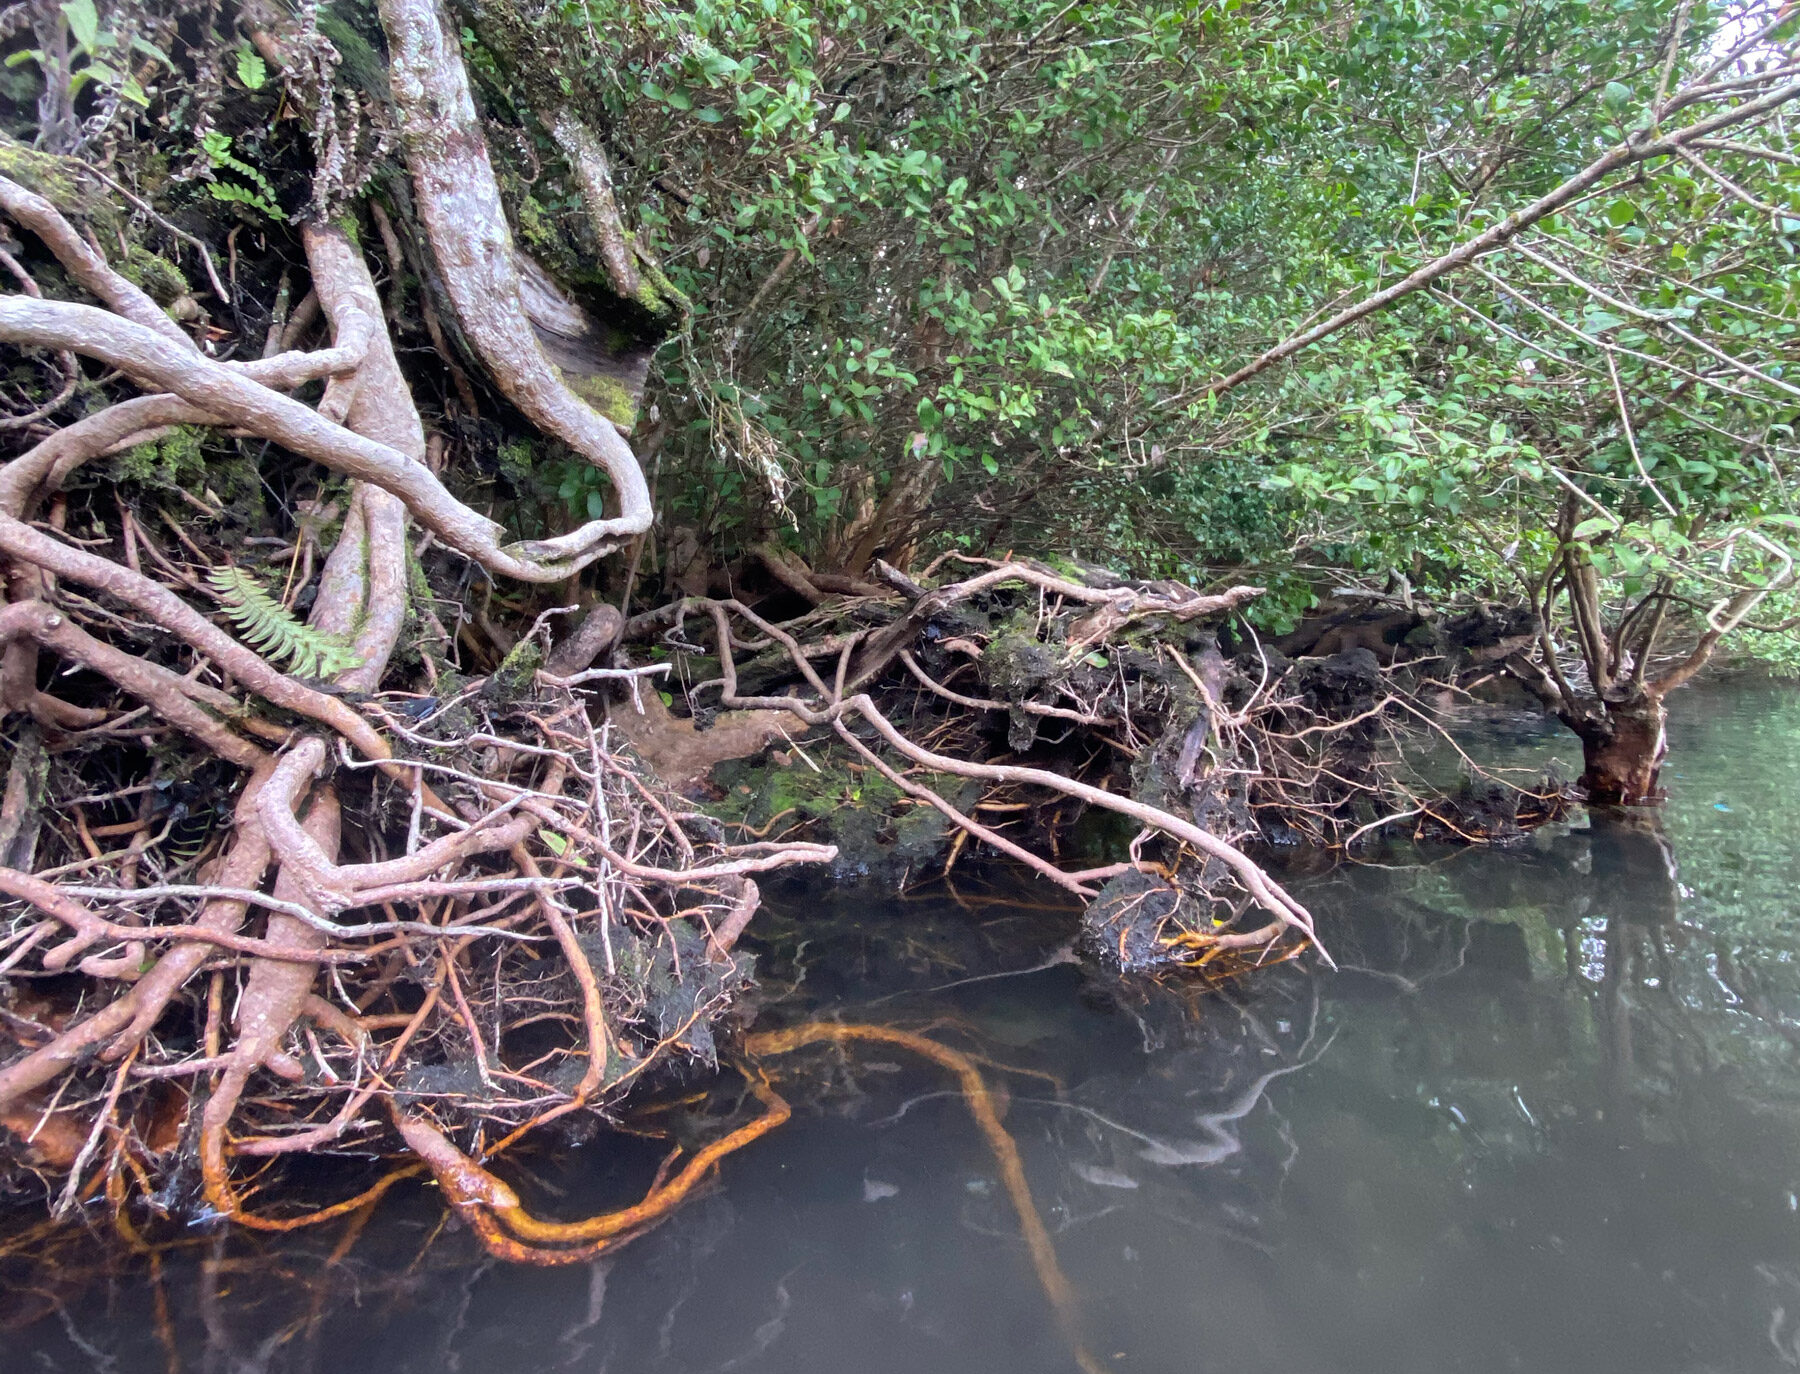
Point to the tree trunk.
(1622, 748)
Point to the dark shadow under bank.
(1543, 1120)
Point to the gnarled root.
(509, 1231)
(833, 704)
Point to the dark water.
(1544, 1120)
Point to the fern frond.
(243, 195)
(271, 629)
(217, 147)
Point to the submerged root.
(980, 1102)
(509, 1231)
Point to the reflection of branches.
(1220, 1128)
(1412, 985)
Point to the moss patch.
(665, 301)
(58, 180)
(177, 461)
(514, 677)
(875, 826)
(610, 397)
(183, 460)
(156, 277)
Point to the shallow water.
(1544, 1119)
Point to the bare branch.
(1638, 147)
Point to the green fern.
(241, 195)
(271, 629)
(217, 147)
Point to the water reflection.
(1544, 1120)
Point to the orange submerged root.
(981, 1106)
(494, 1211)
(510, 1232)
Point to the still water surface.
(1545, 1119)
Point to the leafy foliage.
(1019, 239)
(271, 629)
(100, 55)
(961, 274)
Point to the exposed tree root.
(459, 203)
(1097, 696)
(407, 918)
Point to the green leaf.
(84, 22)
(242, 195)
(251, 69)
(1616, 96)
(555, 843)
(149, 49)
(1599, 524)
